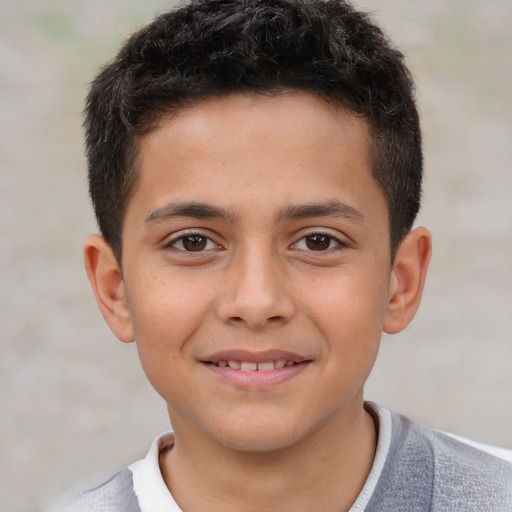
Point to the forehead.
(294, 117)
(284, 148)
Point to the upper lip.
(254, 356)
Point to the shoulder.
(471, 472)
(114, 495)
(444, 472)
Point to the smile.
(255, 370)
(249, 366)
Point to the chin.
(260, 437)
(259, 444)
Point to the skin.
(269, 274)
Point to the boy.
(255, 169)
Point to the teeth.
(247, 366)
(265, 367)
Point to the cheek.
(166, 312)
(349, 310)
(347, 298)
(167, 303)
(164, 319)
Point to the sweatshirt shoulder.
(480, 476)
(114, 495)
(464, 477)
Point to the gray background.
(74, 403)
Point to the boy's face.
(256, 234)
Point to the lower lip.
(257, 379)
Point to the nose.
(255, 292)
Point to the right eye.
(320, 243)
(192, 243)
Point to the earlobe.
(407, 279)
(107, 283)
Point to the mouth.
(251, 366)
(256, 370)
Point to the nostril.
(257, 322)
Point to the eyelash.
(339, 244)
(171, 244)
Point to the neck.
(324, 471)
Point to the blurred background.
(75, 406)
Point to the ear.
(107, 283)
(407, 279)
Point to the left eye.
(317, 242)
(193, 243)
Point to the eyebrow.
(195, 210)
(333, 208)
(191, 209)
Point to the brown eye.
(194, 242)
(318, 242)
